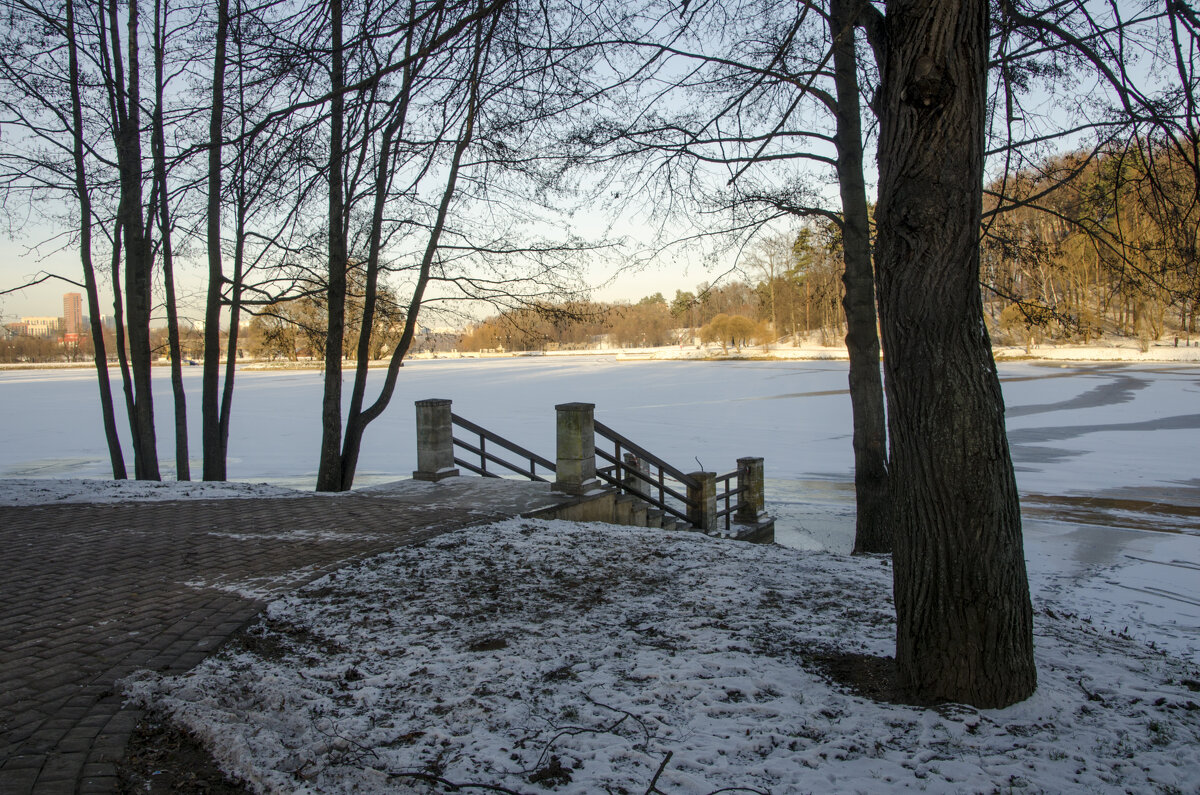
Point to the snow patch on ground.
(591, 658)
(299, 535)
(258, 588)
(36, 491)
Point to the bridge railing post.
(702, 501)
(435, 440)
(750, 502)
(576, 448)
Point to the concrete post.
(632, 483)
(576, 464)
(435, 440)
(702, 499)
(750, 503)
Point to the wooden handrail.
(644, 454)
(663, 487)
(728, 494)
(534, 460)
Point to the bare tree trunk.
(100, 355)
(119, 337)
(182, 466)
(356, 423)
(964, 619)
(214, 450)
(329, 471)
(235, 289)
(355, 428)
(873, 531)
(235, 317)
(138, 262)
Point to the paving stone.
(99, 785)
(63, 766)
(23, 762)
(16, 780)
(98, 770)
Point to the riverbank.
(1106, 350)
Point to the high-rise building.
(72, 316)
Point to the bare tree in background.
(432, 141)
(49, 145)
(164, 216)
(768, 102)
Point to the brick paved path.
(90, 593)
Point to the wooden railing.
(633, 469)
(527, 467)
(726, 492)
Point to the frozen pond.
(1117, 432)
(1105, 454)
(1106, 444)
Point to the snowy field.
(603, 659)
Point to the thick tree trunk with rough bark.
(872, 531)
(964, 621)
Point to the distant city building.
(72, 316)
(41, 326)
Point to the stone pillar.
(632, 483)
(435, 440)
(750, 503)
(702, 499)
(576, 464)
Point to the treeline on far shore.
(1088, 245)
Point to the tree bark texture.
(872, 532)
(964, 620)
(182, 466)
(329, 469)
(138, 261)
(100, 355)
(210, 413)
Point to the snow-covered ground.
(591, 658)
(49, 491)
(485, 655)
